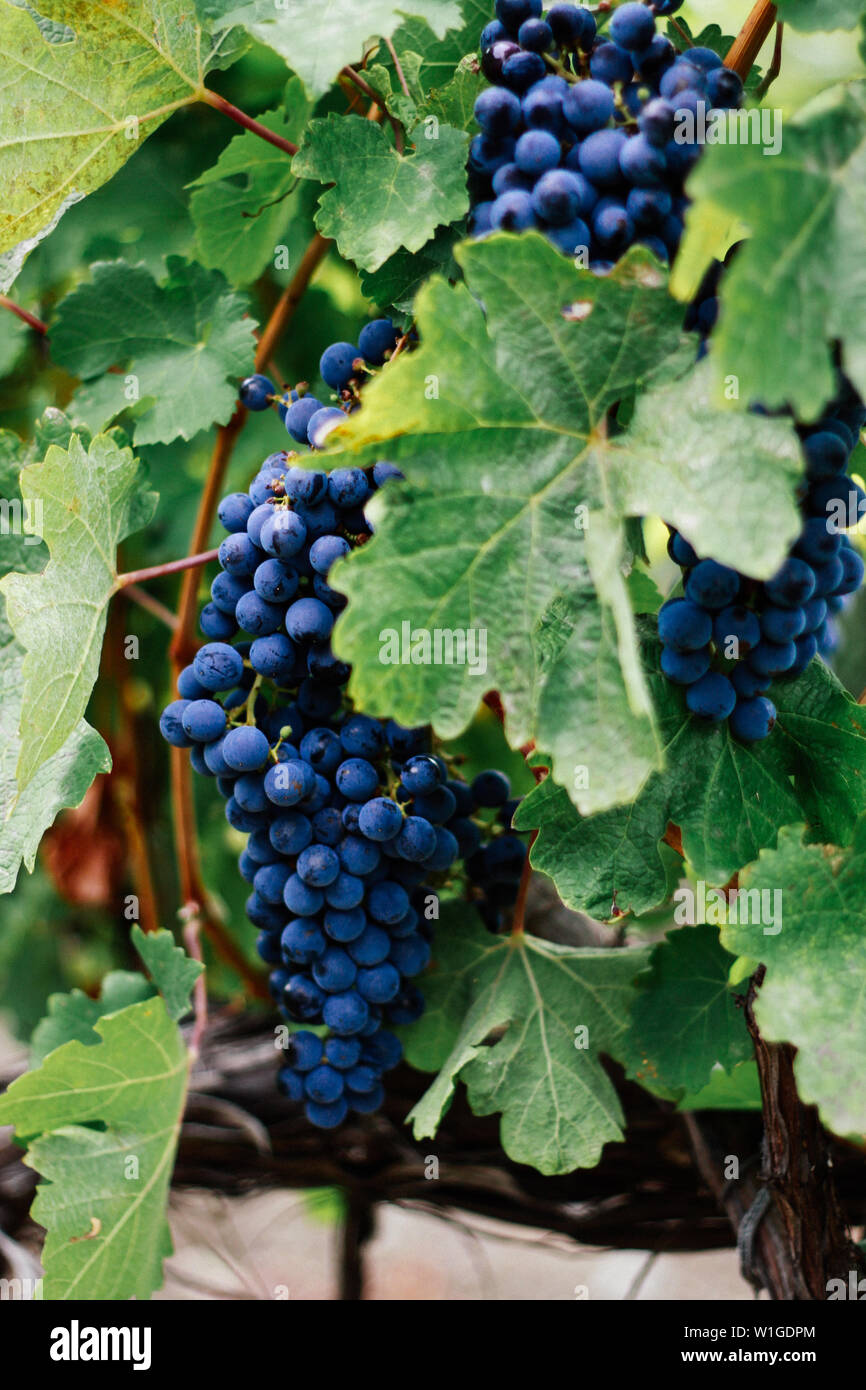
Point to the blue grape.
(497, 111)
(379, 984)
(203, 720)
(521, 69)
(357, 779)
(610, 64)
(753, 719)
(377, 339)
(245, 749)
(712, 697)
(234, 511)
(712, 585)
(346, 1013)
(684, 625)
(334, 971)
(599, 158)
(298, 417)
(309, 620)
(336, 365)
(348, 487)
(632, 26)
(380, 819)
(217, 666)
(256, 391)
(684, 668)
(171, 724)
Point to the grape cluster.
(730, 637)
(353, 823)
(584, 135)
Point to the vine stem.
(364, 86)
(748, 43)
(23, 314)
(152, 605)
(519, 913)
(248, 122)
(170, 567)
(397, 68)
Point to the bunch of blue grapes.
(590, 137)
(729, 637)
(354, 824)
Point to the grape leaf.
(103, 1198)
(739, 1090)
(173, 972)
(812, 995)
(510, 522)
(318, 37)
(440, 56)
(520, 1051)
(809, 15)
(395, 284)
(454, 103)
(185, 343)
(64, 779)
(90, 502)
(239, 225)
(812, 195)
(685, 1018)
(74, 1015)
(448, 991)
(416, 192)
(728, 798)
(74, 112)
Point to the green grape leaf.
(728, 798)
(739, 1090)
(387, 86)
(104, 1194)
(815, 958)
(448, 991)
(685, 1019)
(75, 1015)
(395, 284)
(74, 112)
(416, 192)
(539, 1016)
(249, 203)
(439, 57)
(65, 777)
(60, 781)
(183, 343)
(812, 195)
(318, 37)
(511, 526)
(454, 104)
(173, 972)
(90, 502)
(811, 15)
(666, 469)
